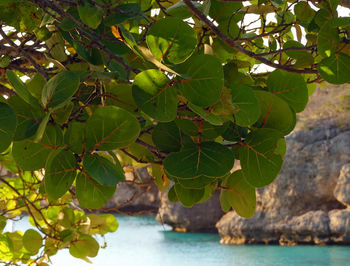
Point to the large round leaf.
(247, 109)
(30, 155)
(109, 128)
(335, 69)
(90, 194)
(154, 95)
(102, 170)
(167, 137)
(275, 112)
(32, 241)
(8, 123)
(60, 89)
(209, 158)
(290, 87)
(328, 40)
(260, 158)
(173, 45)
(74, 136)
(188, 197)
(239, 194)
(28, 118)
(204, 80)
(90, 15)
(60, 172)
(207, 116)
(84, 246)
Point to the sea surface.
(141, 240)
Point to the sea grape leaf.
(275, 112)
(204, 80)
(328, 40)
(21, 88)
(154, 95)
(188, 197)
(90, 194)
(181, 10)
(30, 155)
(111, 127)
(260, 160)
(90, 15)
(239, 194)
(304, 12)
(8, 123)
(60, 89)
(195, 183)
(102, 170)
(60, 172)
(167, 137)
(172, 196)
(247, 109)
(335, 69)
(209, 117)
(124, 12)
(290, 87)
(85, 246)
(32, 241)
(208, 158)
(173, 45)
(74, 136)
(121, 96)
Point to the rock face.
(130, 196)
(199, 218)
(306, 203)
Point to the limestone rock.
(342, 190)
(340, 226)
(199, 218)
(131, 197)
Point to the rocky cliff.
(309, 202)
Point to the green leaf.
(167, 137)
(188, 197)
(195, 183)
(275, 112)
(85, 246)
(247, 108)
(181, 10)
(90, 15)
(240, 195)
(172, 195)
(328, 40)
(290, 87)
(335, 69)
(90, 194)
(20, 88)
(28, 118)
(304, 12)
(102, 170)
(204, 80)
(154, 95)
(3, 221)
(260, 159)
(74, 136)
(173, 45)
(41, 129)
(61, 170)
(30, 155)
(209, 158)
(32, 241)
(209, 117)
(124, 12)
(60, 89)
(121, 96)
(8, 124)
(295, 54)
(109, 128)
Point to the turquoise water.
(143, 241)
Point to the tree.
(91, 86)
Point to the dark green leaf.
(188, 197)
(109, 128)
(335, 69)
(61, 170)
(260, 159)
(173, 45)
(167, 137)
(102, 170)
(204, 80)
(8, 124)
(90, 194)
(154, 95)
(90, 15)
(209, 117)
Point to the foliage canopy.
(90, 87)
